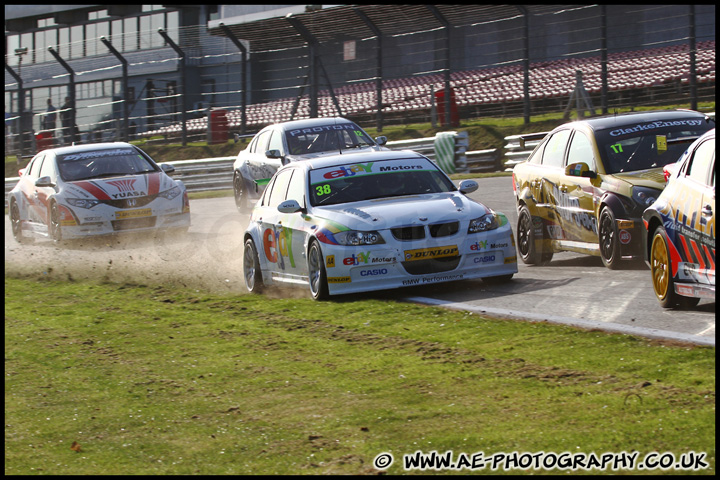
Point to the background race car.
(372, 221)
(281, 143)
(680, 226)
(584, 187)
(96, 189)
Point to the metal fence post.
(126, 98)
(183, 73)
(71, 95)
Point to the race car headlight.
(353, 237)
(170, 194)
(487, 222)
(82, 202)
(645, 196)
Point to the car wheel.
(240, 196)
(661, 271)
(527, 241)
(608, 239)
(16, 223)
(251, 268)
(317, 274)
(55, 229)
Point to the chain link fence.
(378, 65)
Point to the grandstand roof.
(343, 22)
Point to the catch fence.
(375, 64)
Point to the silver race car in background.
(282, 143)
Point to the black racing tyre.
(608, 239)
(16, 225)
(527, 241)
(661, 271)
(317, 273)
(251, 268)
(240, 194)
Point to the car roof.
(88, 147)
(354, 158)
(633, 118)
(310, 122)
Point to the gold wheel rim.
(660, 267)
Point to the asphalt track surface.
(573, 289)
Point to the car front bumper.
(404, 264)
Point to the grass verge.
(161, 380)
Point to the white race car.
(372, 221)
(96, 189)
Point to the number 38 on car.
(372, 221)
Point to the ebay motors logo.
(349, 171)
(357, 259)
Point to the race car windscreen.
(103, 163)
(381, 179)
(647, 145)
(325, 138)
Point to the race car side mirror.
(381, 140)
(289, 206)
(44, 182)
(167, 168)
(579, 169)
(468, 186)
(273, 154)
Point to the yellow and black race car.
(585, 186)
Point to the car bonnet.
(117, 188)
(407, 210)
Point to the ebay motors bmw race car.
(97, 189)
(680, 226)
(285, 142)
(372, 221)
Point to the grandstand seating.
(498, 85)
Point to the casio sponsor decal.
(425, 253)
(484, 259)
(374, 272)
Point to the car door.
(36, 210)
(260, 174)
(48, 171)
(278, 247)
(575, 195)
(545, 185)
(695, 217)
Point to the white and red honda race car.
(96, 189)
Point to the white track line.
(575, 322)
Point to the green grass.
(164, 380)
